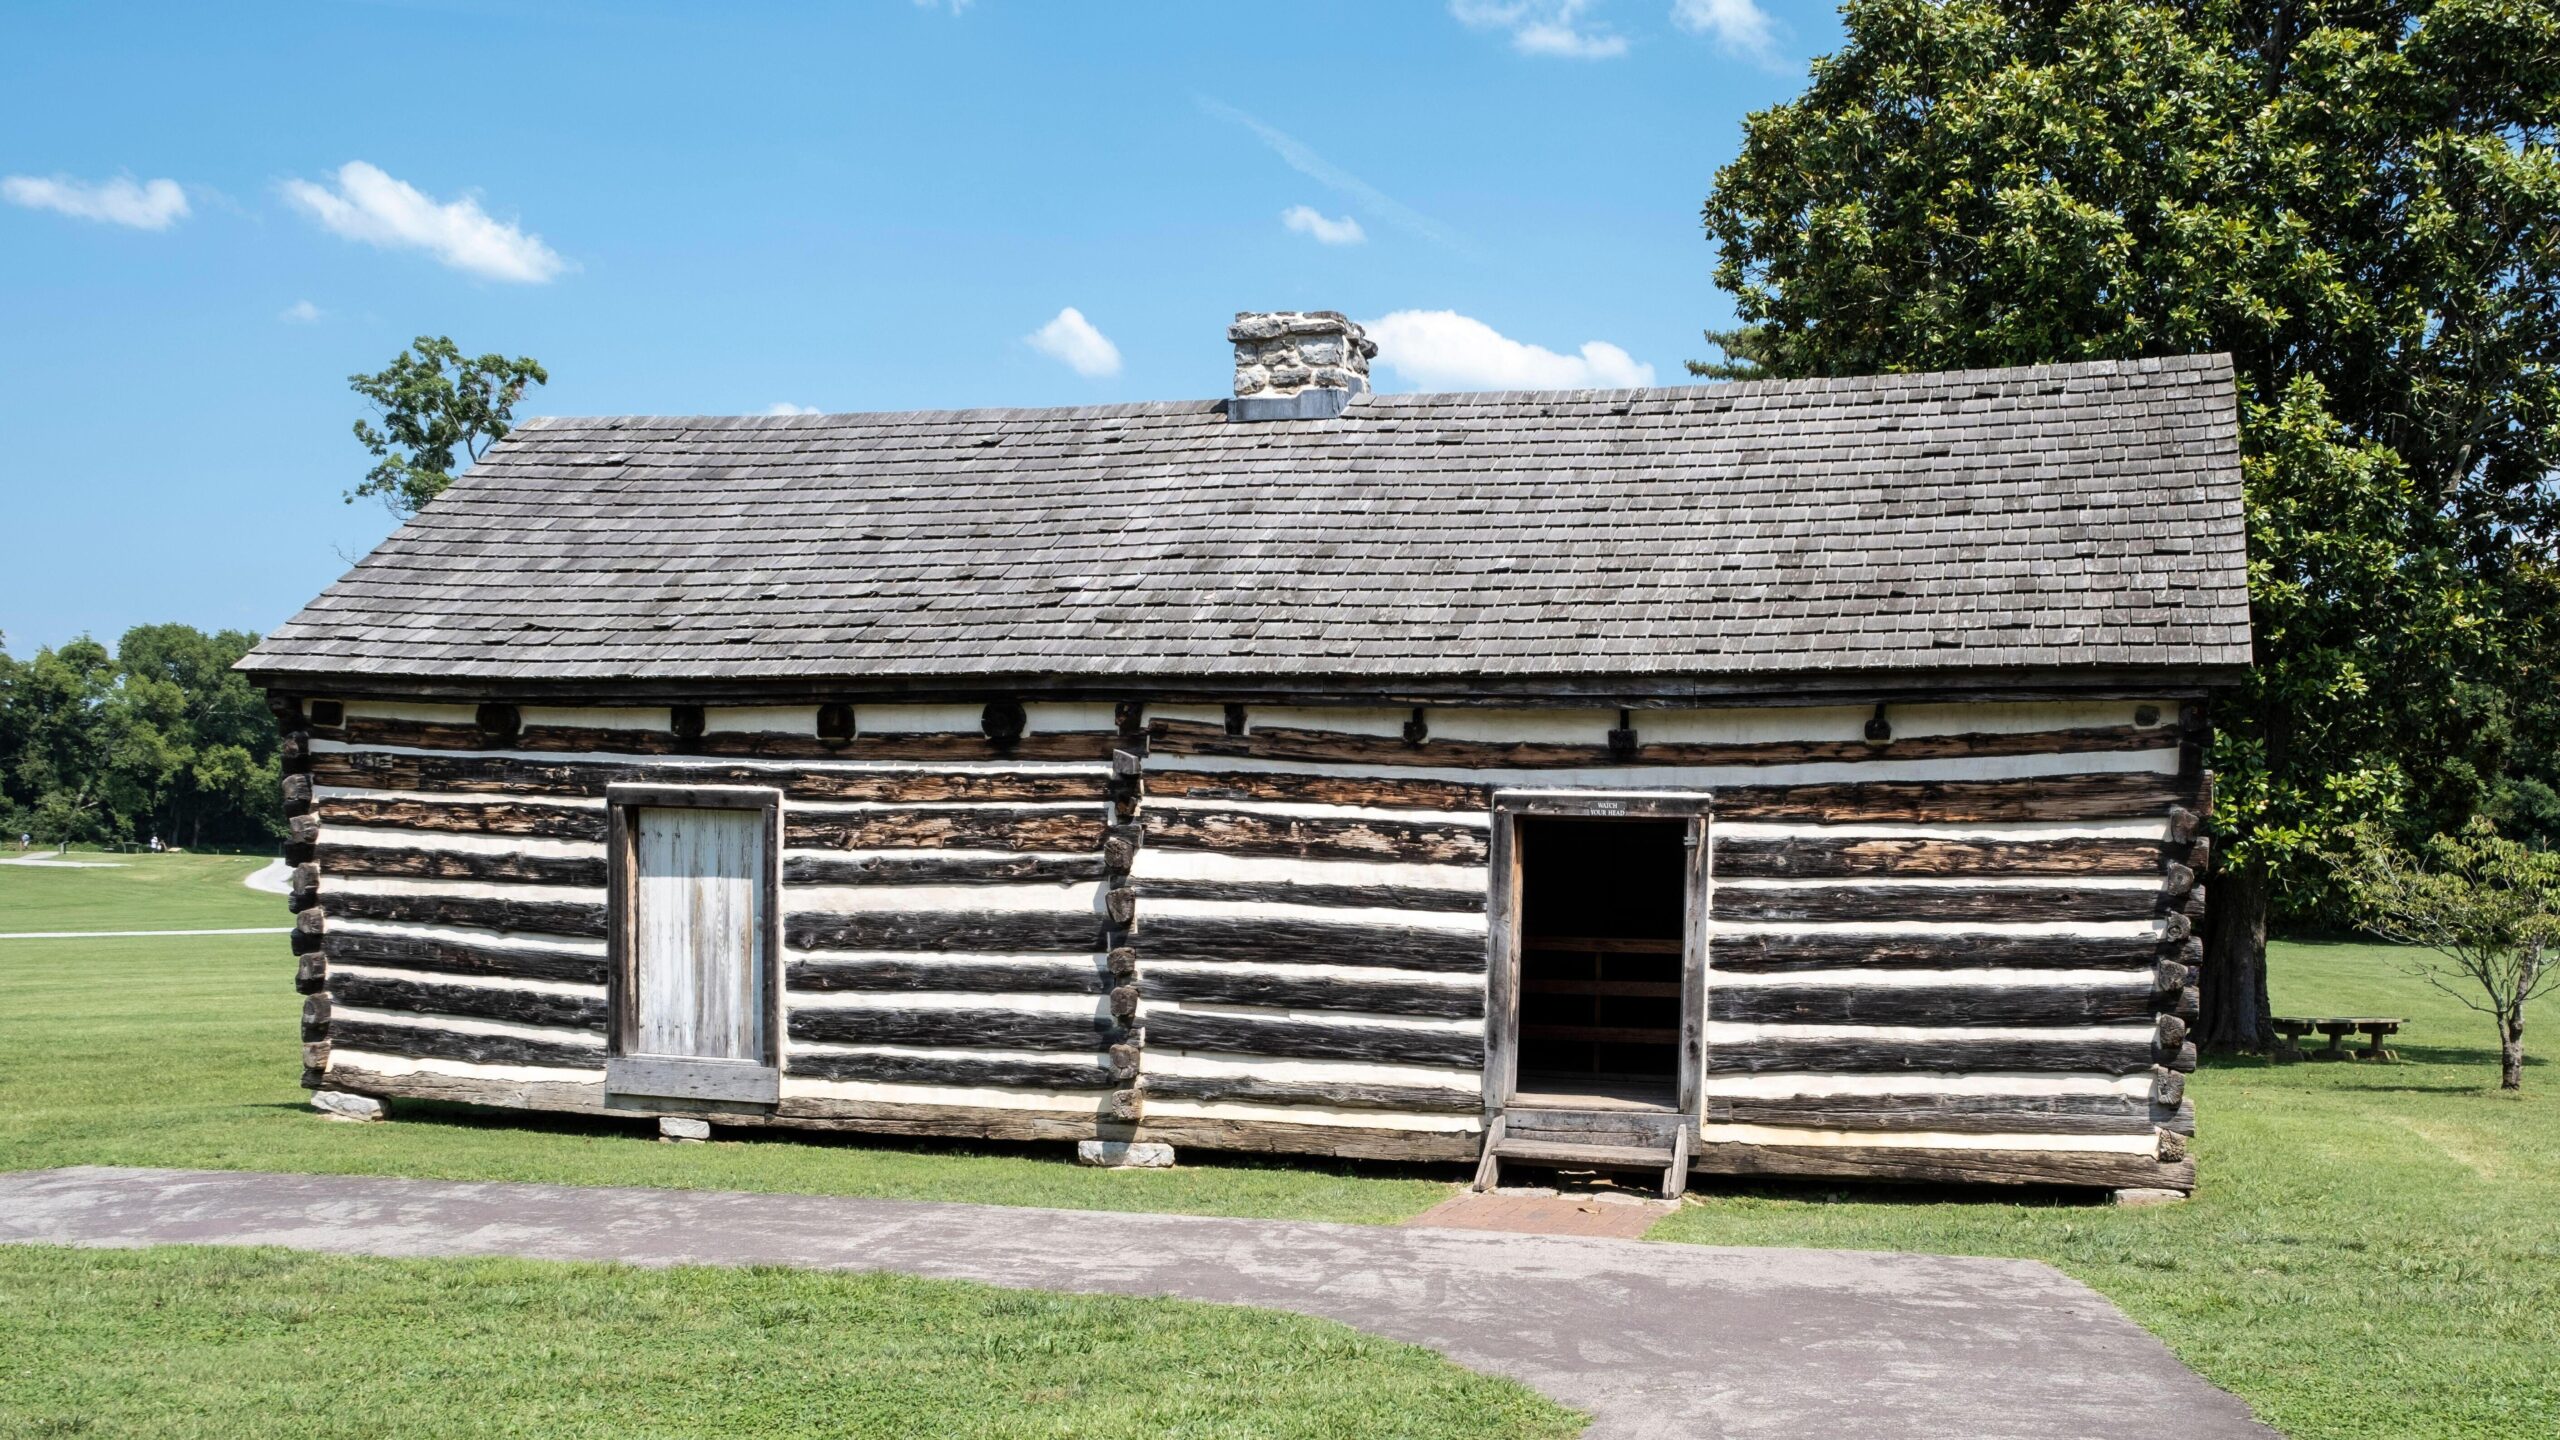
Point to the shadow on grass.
(2447, 1055)
(1902, 1195)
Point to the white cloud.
(301, 312)
(150, 205)
(1324, 172)
(1307, 220)
(1072, 340)
(1543, 27)
(371, 206)
(1444, 350)
(1739, 26)
(785, 407)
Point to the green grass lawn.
(193, 1344)
(141, 892)
(183, 1052)
(2375, 1249)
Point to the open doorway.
(1602, 927)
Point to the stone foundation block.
(1125, 1154)
(2148, 1197)
(340, 1105)
(679, 1127)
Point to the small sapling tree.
(2485, 910)
(435, 401)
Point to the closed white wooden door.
(696, 931)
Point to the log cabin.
(1796, 778)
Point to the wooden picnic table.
(2375, 1029)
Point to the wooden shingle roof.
(2059, 519)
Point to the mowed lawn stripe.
(188, 1342)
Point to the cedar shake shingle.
(2064, 517)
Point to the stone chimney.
(1297, 364)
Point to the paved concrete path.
(1650, 1339)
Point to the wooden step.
(1597, 1127)
(1596, 1157)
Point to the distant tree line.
(159, 738)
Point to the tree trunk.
(2234, 984)
(2511, 1049)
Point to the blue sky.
(210, 215)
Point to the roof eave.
(1637, 691)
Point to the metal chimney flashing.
(1305, 405)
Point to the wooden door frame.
(666, 1079)
(1502, 911)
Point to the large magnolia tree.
(2360, 202)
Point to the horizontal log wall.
(1276, 938)
(2002, 899)
(1310, 959)
(1988, 993)
(942, 897)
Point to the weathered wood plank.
(1817, 903)
(1311, 1040)
(1933, 1004)
(2129, 1055)
(988, 828)
(1349, 1142)
(1331, 1094)
(1191, 738)
(2101, 796)
(973, 1122)
(816, 1112)
(409, 952)
(587, 870)
(2090, 1169)
(988, 1029)
(1256, 940)
(1824, 951)
(1037, 977)
(932, 869)
(1243, 832)
(1290, 892)
(480, 1002)
(422, 1042)
(768, 745)
(1822, 858)
(505, 775)
(1235, 986)
(568, 1094)
(478, 817)
(930, 930)
(1173, 781)
(579, 919)
(1081, 1072)
(1956, 1114)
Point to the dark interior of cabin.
(1602, 909)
